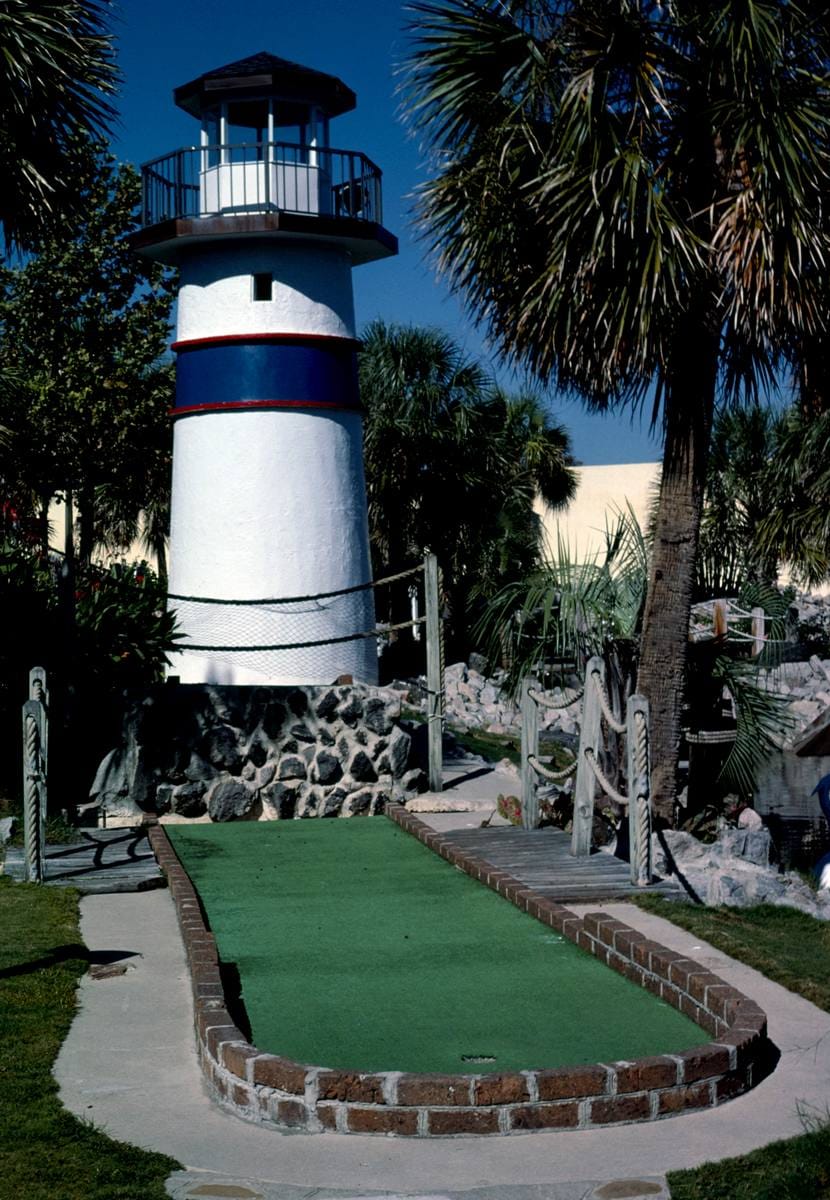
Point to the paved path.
(129, 1064)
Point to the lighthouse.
(264, 220)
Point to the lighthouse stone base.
(223, 753)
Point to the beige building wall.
(601, 492)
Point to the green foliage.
(45, 1152)
(742, 460)
(83, 327)
(762, 722)
(56, 70)
(110, 632)
(124, 629)
(453, 465)
(602, 173)
(795, 527)
(568, 610)
(631, 196)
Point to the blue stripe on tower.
(260, 373)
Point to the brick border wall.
(276, 1091)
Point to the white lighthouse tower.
(264, 220)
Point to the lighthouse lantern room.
(269, 549)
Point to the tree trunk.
(689, 407)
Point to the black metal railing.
(260, 177)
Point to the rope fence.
(723, 613)
(586, 766)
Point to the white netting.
(315, 638)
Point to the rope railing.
(556, 701)
(532, 698)
(332, 641)
(603, 780)
(587, 768)
(721, 612)
(349, 591)
(546, 773)
(610, 717)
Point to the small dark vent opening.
(263, 281)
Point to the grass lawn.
(794, 950)
(787, 946)
(358, 948)
(45, 1152)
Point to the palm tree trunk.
(689, 406)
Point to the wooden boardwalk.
(105, 860)
(541, 859)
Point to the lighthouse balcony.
(260, 177)
(214, 191)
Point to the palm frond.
(763, 722)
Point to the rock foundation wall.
(258, 753)
(278, 1092)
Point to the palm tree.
(56, 70)
(629, 193)
(796, 526)
(742, 468)
(453, 464)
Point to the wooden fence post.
(638, 773)
(33, 816)
(530, 746)
(589, 739)
(435, 675)
(39, 690)
(758, 630)
(720, 620)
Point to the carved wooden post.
(530, 746)
(32, 808)
(638, 772)
(589, 740)
(435, 675)
(39, 690)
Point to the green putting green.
(358, 948)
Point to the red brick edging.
(279, 1092)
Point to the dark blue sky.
(163, 43)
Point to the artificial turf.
(358, 948)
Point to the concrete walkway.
(129, 1065)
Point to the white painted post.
(758, 629)
(530, 746)
(435, 675)
(589, 740)
(638, 774)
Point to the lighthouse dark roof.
(264, 74)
